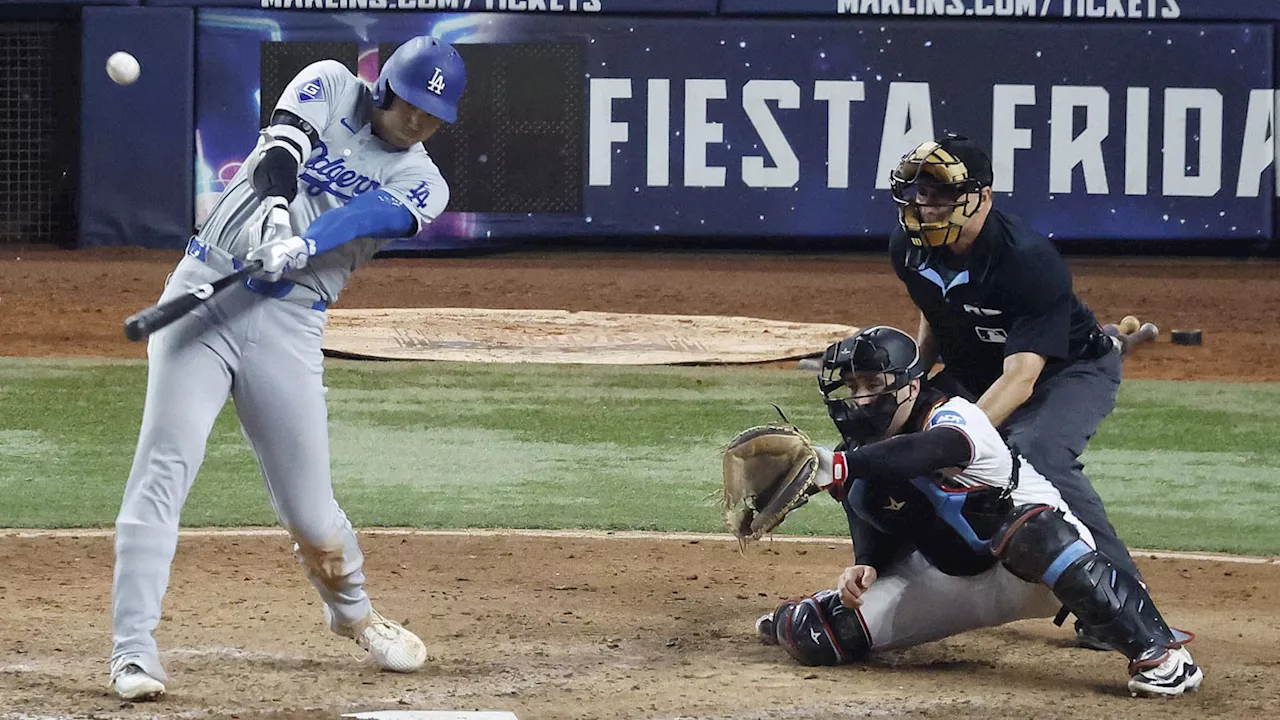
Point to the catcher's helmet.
(951, 167)
(881, 350)
(425, 72)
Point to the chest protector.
(951, 527)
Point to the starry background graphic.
(961, 60)
(1103, 9)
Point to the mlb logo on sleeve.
(311, 90)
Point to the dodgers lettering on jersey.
(324, 173)
(347, 161)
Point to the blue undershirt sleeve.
(374, 214)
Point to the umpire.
(997, 308)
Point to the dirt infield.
(591, 629)
(618, 628)
(73, 303)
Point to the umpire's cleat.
(131, 682)
(765, 631)
(1177, 673)
(390, 645)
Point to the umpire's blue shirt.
(1011, 293)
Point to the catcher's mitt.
(769, 470)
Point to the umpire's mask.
(860, 380)
(946, 173)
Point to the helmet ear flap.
(383, 95)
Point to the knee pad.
(1032, 539)
(1037, 544)
(819, 630)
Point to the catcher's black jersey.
(1011, 294)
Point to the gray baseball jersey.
(349, 160)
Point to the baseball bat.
(141, 324)
(1147, 332)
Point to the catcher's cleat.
(765, 630)
(1176, 674)
(390, 645)
(131, 682)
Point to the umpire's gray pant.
(1051, 430)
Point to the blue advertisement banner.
(556, 7)
(1019, 9)
(758, 128)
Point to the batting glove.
(832, 472)
(269, 222)
(282, 256)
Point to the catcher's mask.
(892, 360)
(949, 172)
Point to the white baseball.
(123, 68)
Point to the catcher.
(952, 530)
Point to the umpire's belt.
(223, 261)
(1098, 345)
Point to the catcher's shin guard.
(1037, 544)
(819, 630)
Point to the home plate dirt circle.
(561, 336)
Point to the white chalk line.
(60, 667)
(578, 535)
(202, 714)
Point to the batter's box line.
(241, 655)
(203, 714)
(24, 533)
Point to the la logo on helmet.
(436, 83)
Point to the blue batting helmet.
(427, 73)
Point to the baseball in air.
(123, 68)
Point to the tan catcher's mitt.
(769, 470)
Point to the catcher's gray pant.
(1052, 429)
(265, 353)
(914, 603)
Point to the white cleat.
(131, 682)
(1175, 675)
(390, 645)
(765, 630)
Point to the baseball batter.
(952, 531)
(338, 172)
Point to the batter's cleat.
(1177, 673)
(765, 631)
(131, 682)
(390, 645)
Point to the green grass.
(1181, 465)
